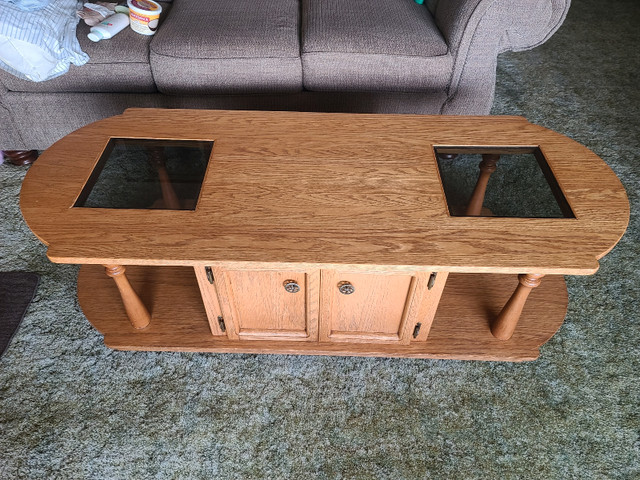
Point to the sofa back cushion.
(391, 27)
(388, 45)
(228, 46)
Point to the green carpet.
(71, 408)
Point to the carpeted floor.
(71, 408)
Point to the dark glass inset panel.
(517, 182)
(147, 174)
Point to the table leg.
(506, 322)
(487, 167)
(137, 312)
(169, 196)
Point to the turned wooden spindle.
(487, 167)
(504, 325)
(137, 312)
(20, 157)
(169, 196)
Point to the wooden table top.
(314, 190)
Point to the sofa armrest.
(520, 24)
(477, 31)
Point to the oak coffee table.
(335, 234)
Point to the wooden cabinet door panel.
(257, 306)
(380, 309)
(383, 308)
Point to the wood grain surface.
(376, 311)
(256, 305)
(312, 190)
(460, 330)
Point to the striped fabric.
(41, 44)
(29, 5)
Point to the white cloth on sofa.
(28, 5)
(40, 45)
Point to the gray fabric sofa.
(391, 56)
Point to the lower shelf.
(460, 329)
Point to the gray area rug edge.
(17, 290)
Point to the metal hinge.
(416, 330)
(223, 327)
(432, 280)
(209, 274)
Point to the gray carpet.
(71, 408)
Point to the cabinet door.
(268, 305)
(376, 307)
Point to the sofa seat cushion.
(228, 47)
(372, 45)
(119, 65)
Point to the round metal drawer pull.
(346, 288)
(291, 286)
